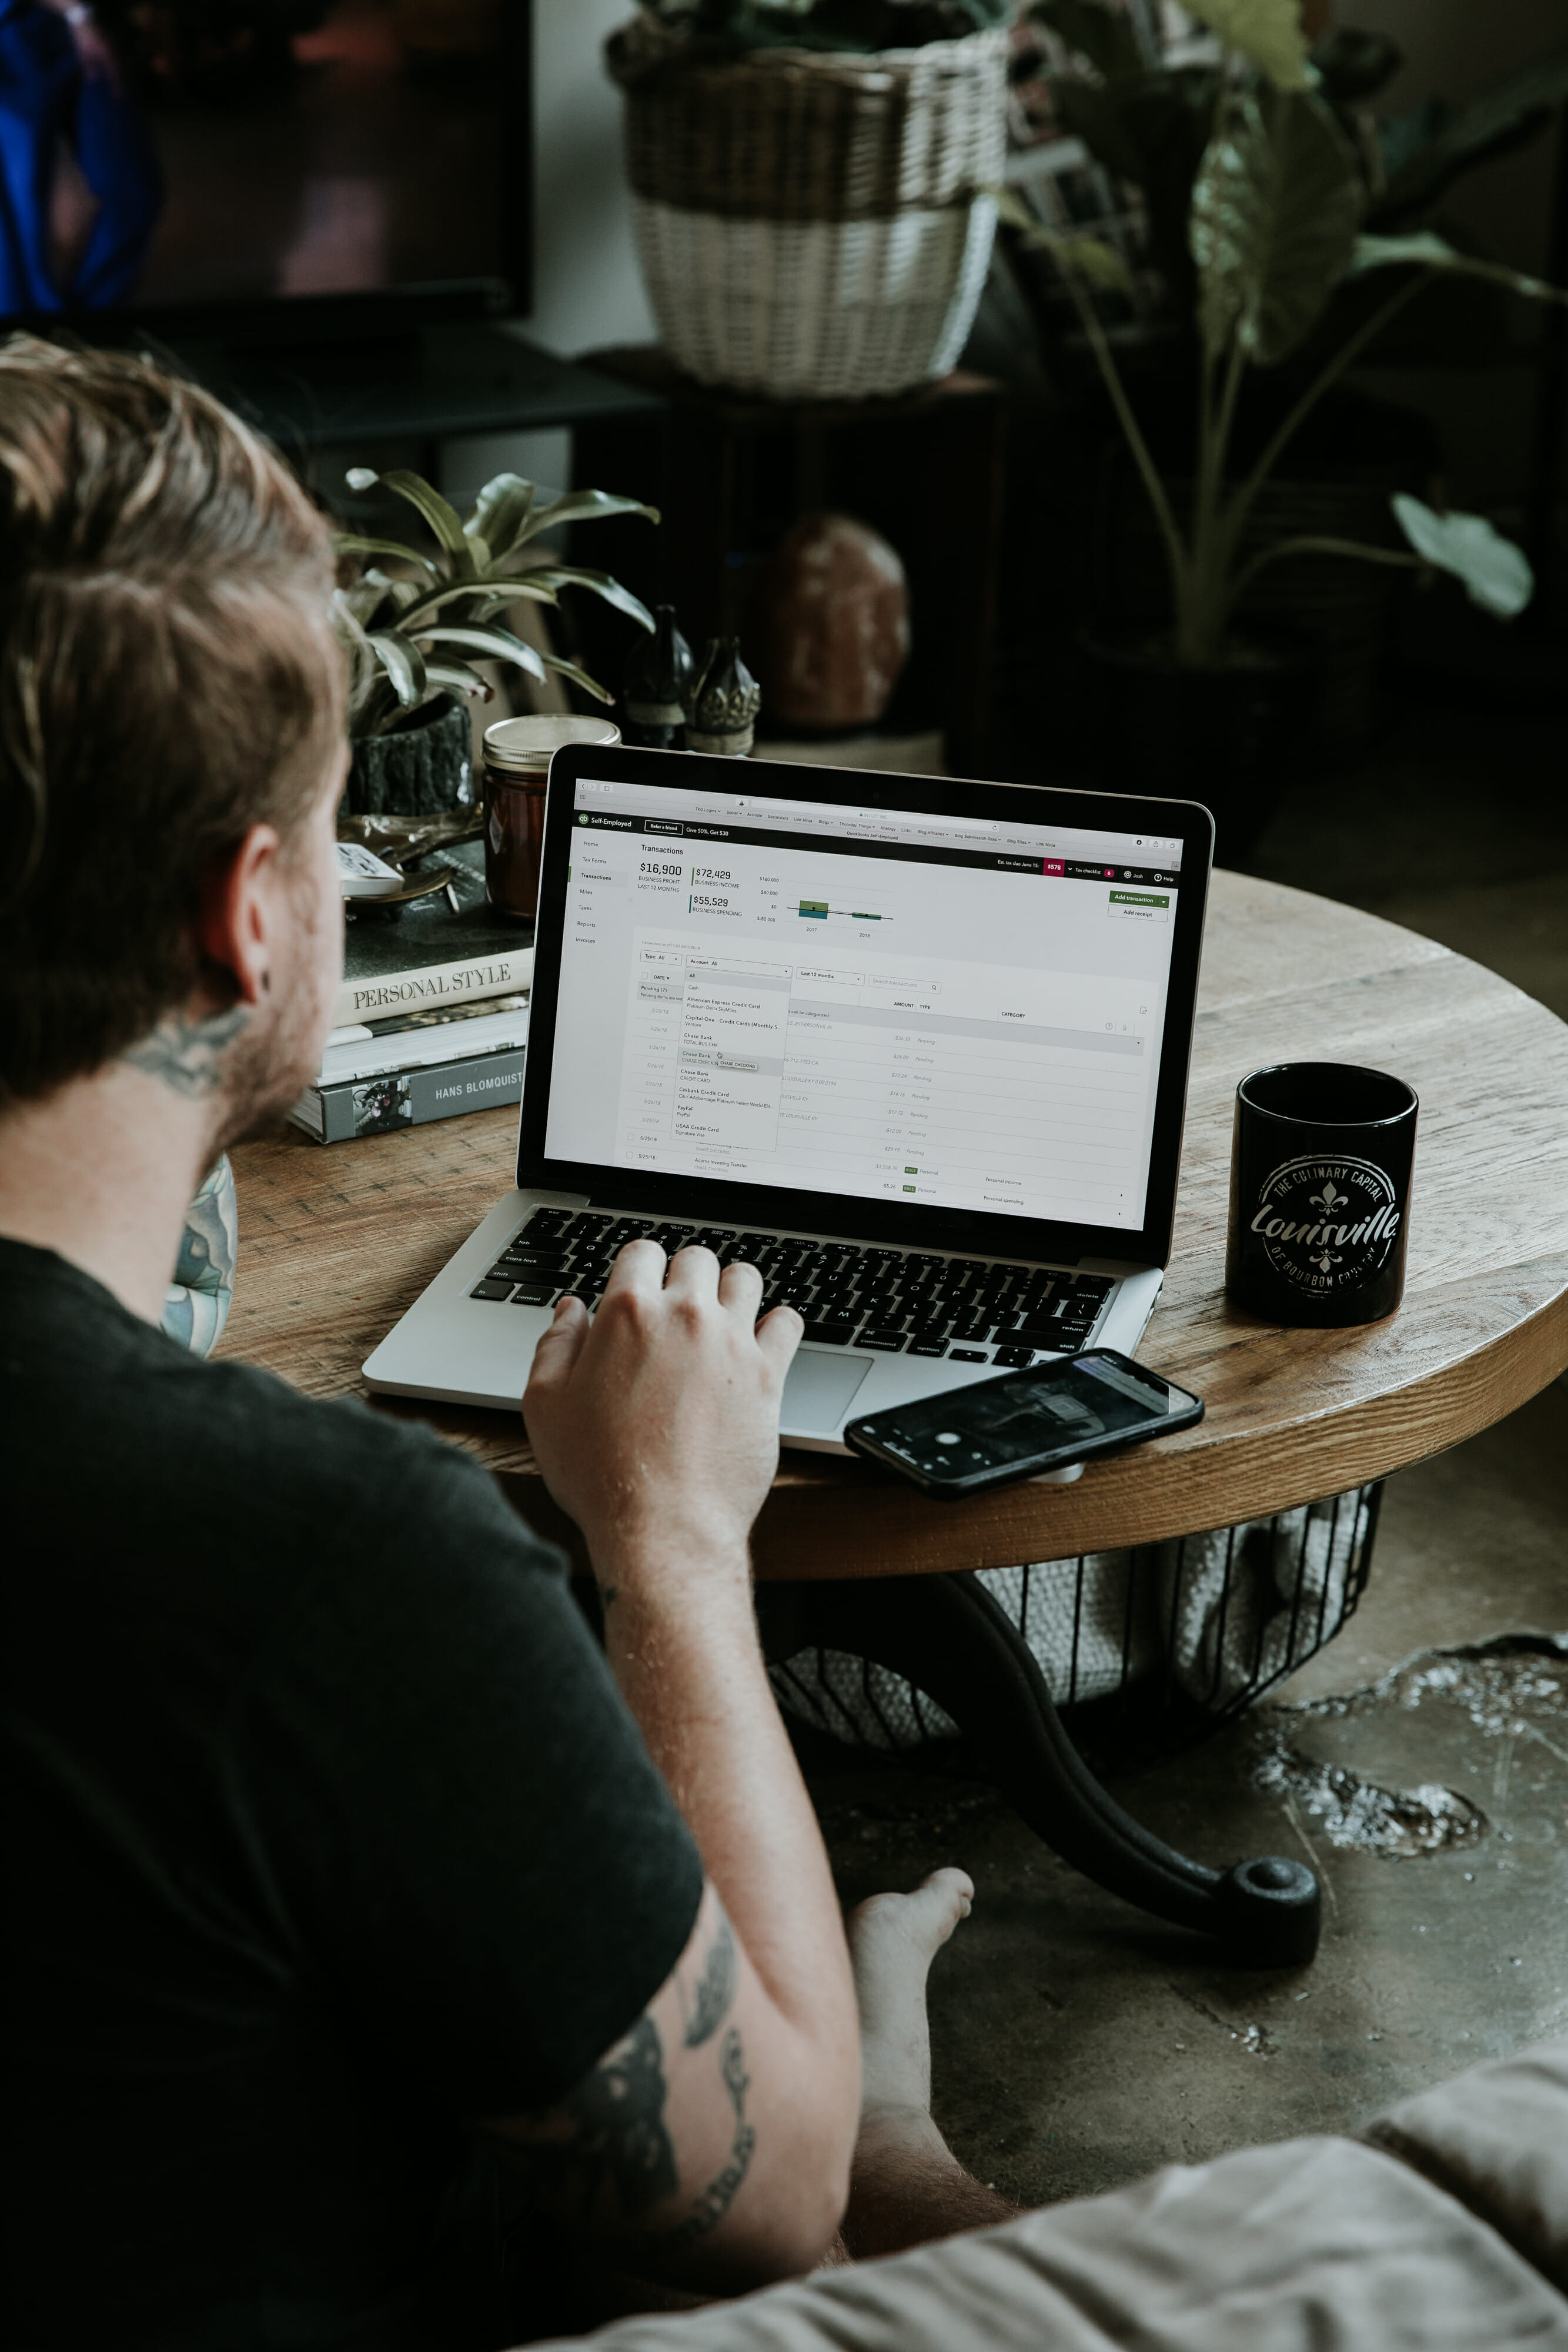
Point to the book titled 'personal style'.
(431, 1021)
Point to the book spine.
(376, 996)
(398, 1098)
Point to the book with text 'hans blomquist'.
(423, 1065)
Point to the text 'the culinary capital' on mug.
(1320, 1192)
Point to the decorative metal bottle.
(658, 678)
(723, 703)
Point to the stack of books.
(433, 1019)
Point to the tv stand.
(428, 383)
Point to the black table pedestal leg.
(947, 1636)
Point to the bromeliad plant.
(415, 633)
(1275, 224)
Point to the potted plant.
(1275, 225)
(414, 633)
(808, 185)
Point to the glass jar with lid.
(517, 753)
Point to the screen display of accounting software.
(786, 992)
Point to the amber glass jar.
(517, 753)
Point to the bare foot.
(893, 1940)
(906, 2186)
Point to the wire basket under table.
(1144, 1650)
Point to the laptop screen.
(958, 1011)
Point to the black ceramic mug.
(1320, 1192)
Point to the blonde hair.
(168, 679)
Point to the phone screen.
(1058, 1410)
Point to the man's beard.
(276, 1055)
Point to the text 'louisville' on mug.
(1321, 1158)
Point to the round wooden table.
(335, 1242)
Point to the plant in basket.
(414, 633)
(810, 184)
(1262, 212)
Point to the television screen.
(172, 153)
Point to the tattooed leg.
(186, 1054)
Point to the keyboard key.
(927, 1347)
(969, 1356)
(533, 1294)
(1015, 1359)
(491, 1288)
(836, 1332)
(877, 1336)
(534, 1260)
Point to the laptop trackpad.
(818, 1390)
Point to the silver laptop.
(915, 1047)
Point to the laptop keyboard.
(910, 1302)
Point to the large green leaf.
(1274, 212)
(1496, 573)
(1269, 32)
(581, 506)
(500, 512)
(443, 520)
(1507, 116)
(403, 664)
(1423, 250)
(349, 542)
(497, 644)
(563, 575)
(485, 598)
(362, 598)
(1104, 36)
(578, 677)
(460, 681)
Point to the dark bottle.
(658, 677)
(723, 703)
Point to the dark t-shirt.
(326, 1831)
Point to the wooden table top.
(336, 1241)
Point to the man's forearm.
(686, 1653)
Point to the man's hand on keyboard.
(657, 1426)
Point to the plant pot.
(1230, 737)
(810, 225)
(423, 770)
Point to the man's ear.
(237, 923)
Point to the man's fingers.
(778, 1335)
(740, 1286)
(693, 1272)
(559, 1347)
(639, 1265)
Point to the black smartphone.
(1023, 1422)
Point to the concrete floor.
(1077, 2044)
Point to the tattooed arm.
(658, 1432)
(653, 2150)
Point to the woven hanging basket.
(811, 226)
